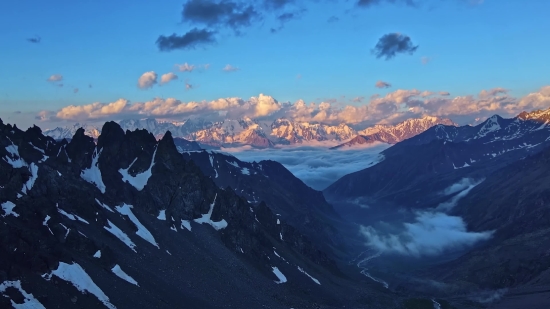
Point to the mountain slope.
(133, 224)
(415, 169)
(514, 202)
(287, 196)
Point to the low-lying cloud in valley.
(463, 187)
(318, 167)
(431, 232)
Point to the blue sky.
(103, 47)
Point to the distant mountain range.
(262, 133)
(392, 134)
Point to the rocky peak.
(81, 148)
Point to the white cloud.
(464, 187)
(168, 77)
(147, 80)
(393, 107)
(185, 67)
(92, 111)
(230, 68)
(431, 233)
(315, 166)
(55, 78)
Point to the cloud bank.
(315, 166)
(432, 232)
(393, 107)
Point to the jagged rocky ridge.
(262, 133)
(269, 181)
(128, 222)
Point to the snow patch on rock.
(121, 274)
(93, 174)
(142, 231)
(76, 275)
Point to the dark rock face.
(293, 201)
(515, 203)
(130, 201)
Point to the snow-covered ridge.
(260, 133)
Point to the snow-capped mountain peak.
(259, 133)
(392, 134)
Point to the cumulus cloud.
(533, 101)
(381, 84)
(391, 44)
(393, 107)
(190, 39)
(55, 78)
(147, 80)
(315, 166)
(358, 99)
(168, 77)
(431, 233)
(91, 111)
(230, 68)
(260, 106)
